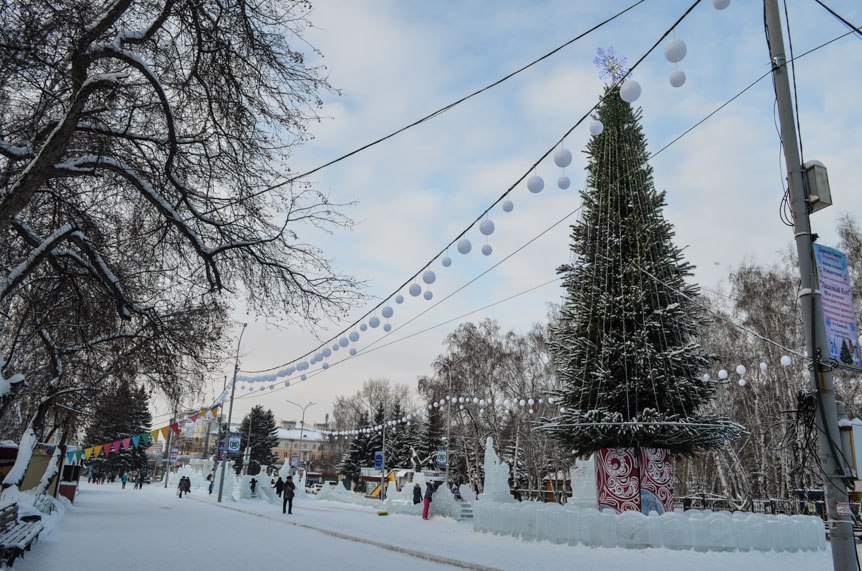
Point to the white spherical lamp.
(354, 336)
(428, 276)
(464, 246)
(596, 127)
(763, 366)
(508, 206)
(535, 184)
(415, 289)
(675, 50)
(740, 370)
(630, 91)
(487, 249)
(564, 182)
(742, 382)
(352, 351)
(563, 158)
(722, 374)
(705, 378)
(785, 361)
(720, 4)
(677, 78)
(428, 295)
(446, 261)
(364, 327)
(374, 322)
(486, 227)
(387, 327)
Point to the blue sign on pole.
(233, 445)
(378, 460)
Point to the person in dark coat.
(516, 494)
(279, 486)
(287, 496)
(253, 485)
(429, 491)
(417, 493)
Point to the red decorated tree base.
(634, 479)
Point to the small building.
(300, 447)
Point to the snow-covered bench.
(16, 535)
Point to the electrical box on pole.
(817, 185)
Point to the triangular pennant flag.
(195, 417)
(214, 412)
(204, 412)
(125, 442)
(115, 445)
(135, 440)
(106, 448)
(88, 452)
(79, 453)
(155, 435)
(146, 437)
(70, 457)
(164, 431)
(96, 450)
(175, 427)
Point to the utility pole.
(168, 448)
(301, 432)
(383, 463)
(835, 470)
(230, 411)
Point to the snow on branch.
(17, 275)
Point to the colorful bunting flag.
(96, 450)
(164, 431)
(176, 427)
(195, 417)
(79, 453)
(125, 442)
(146, 437)
(135, 440)
(88, 452)
(116, 445)
(70, 457)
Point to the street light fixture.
(301, 425)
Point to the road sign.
(174, 453)
(221, 446)
(441, 457)
(378, 460)
(233, 445)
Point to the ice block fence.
(610, 514)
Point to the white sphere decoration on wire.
(630, 91)
(508, 206)
(522, 402)
(287, 383)
(675, 50)
(302, 378)
(429, 277)
(325, 366)
(344, 341)
(530, 411)
(763, 366)
(720, 4)
(387, 312)
(335, 347)
(399, 298)
(596, 127)
(486, 227)
(327, 352)
(531, 402)
(705, 378)
(374, 322)
(722, 374)
(464, 246)
(446, 261)
(785, 361)
(740, 370)
(352, 351)
(742, 382)
(415, 289)
(487, 249)
(563, 158)
(564, 182)
(535, 184)
(677, 78)
(387, 327)
(428, 295)
(363, 327)
(460, 399)
(354, 336)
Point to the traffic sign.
(441, 457)
(174, 453)
(233, 444)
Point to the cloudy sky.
(394, 62)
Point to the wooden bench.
(16, 535)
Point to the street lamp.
(301, 423)
(449, 409)
(230, 410)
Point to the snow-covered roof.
(308, 435)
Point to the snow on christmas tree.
(625, 350)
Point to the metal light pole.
(383, 462)
(246, 457)
(835, 471)
(301, 428)
(449, 410)
(230, 411)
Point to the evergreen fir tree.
(397, 447)
(257, 431)
(122, 413)
(357, 457)
(414, 441)
(432, 437)
(625, 349)
(376, 440)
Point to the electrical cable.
(853, 28)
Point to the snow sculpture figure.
(496, 487)
(583, 477)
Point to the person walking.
(211, 480)
(253, 486)
(279, 486)
(429, 491)
(124, 479)
(181, 486)
(287, 496)
(417, 493)
(139, 483)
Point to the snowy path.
(110, 529)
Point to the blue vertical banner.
(378, 460)
(842, 333)
(233, 445)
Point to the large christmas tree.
(258, 432)
(625, 350)
(122, 413)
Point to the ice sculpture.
(496, 487)
(584, 484)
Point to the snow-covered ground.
(152, 529)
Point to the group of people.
(100, 478)
(185, 486)
(286, 490)
(418, 497)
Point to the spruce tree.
(432, 437)
(625, 349)
(122, 413)
(397, 446)
(357, 457)
(257, 431)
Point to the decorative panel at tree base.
(634, 479)
(617, 483)
(656, 480)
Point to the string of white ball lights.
(486, 226)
